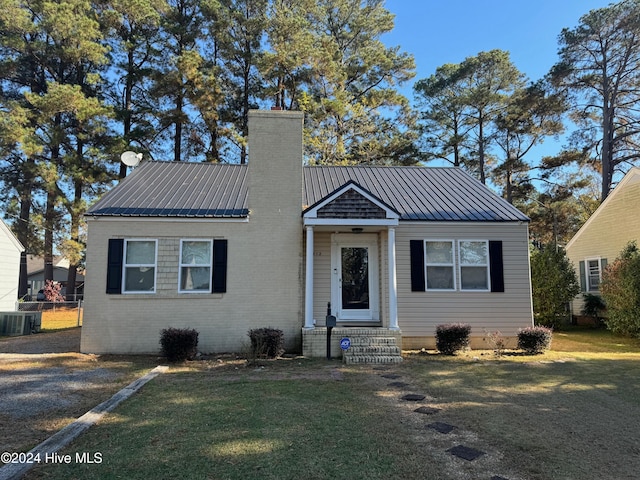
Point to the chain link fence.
(72, 310)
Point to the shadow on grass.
(204, 425)
(560, 418)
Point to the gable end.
(351, 204)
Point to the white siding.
(10, 250)
(322, 275)
(420, 312)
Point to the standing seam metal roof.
(178, 189)
(205, 190)
(417, 193)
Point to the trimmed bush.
(266, 342)
(452, 337)
(179, 344)
(534, 340)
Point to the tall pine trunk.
(23, 225)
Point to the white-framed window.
(439, 265)
(139, 266)
(594, 274)
(473, 264)
(196, 262)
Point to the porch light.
(357, 229)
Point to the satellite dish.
(131, 159)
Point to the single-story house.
(10, 250)
(36, 280)
(614, 224)
(224, 248)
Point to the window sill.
(166, 296)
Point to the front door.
(354, 286)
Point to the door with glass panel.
(355, 292)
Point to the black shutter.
(583, 276)
(417, 265)
(219, 278)
(496, 266)
(114, 266)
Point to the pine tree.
(598, 68)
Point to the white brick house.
(226, 248)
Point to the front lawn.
(562, 415)
(61, 318)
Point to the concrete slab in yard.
(466, 453)
(413, 397)
(441, 427)
(427, 410)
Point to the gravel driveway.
(56, 342)
(44, 375)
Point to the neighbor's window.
(139, 269)
(195, 265)
(439, 265)
(593, 275)
(474, 264)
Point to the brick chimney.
(274, 232)
(275, 164)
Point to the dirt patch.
(45, 383)
(34, 391)
(56, 342)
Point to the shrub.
(179, 344)
(620, 288)
(452, 338)
(593, 307)
(534, 340)
(496, 341)
(266, 342)
(553, 285)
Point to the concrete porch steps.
(372, 349)
(368, 344)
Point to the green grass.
(250, 424)
(572, 413)
(589, 340)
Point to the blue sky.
(447, 31)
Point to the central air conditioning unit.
(13, 324)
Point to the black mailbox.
(330, 322)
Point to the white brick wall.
(264, 270)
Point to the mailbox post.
(330, 322)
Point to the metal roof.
(183, 189)
(416, 193)
(178, 189)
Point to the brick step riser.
(362, 349)
(372, 359)
(373, 341)
(372, 349)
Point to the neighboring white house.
(600, 240)
(10, 250)
(225, 248)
